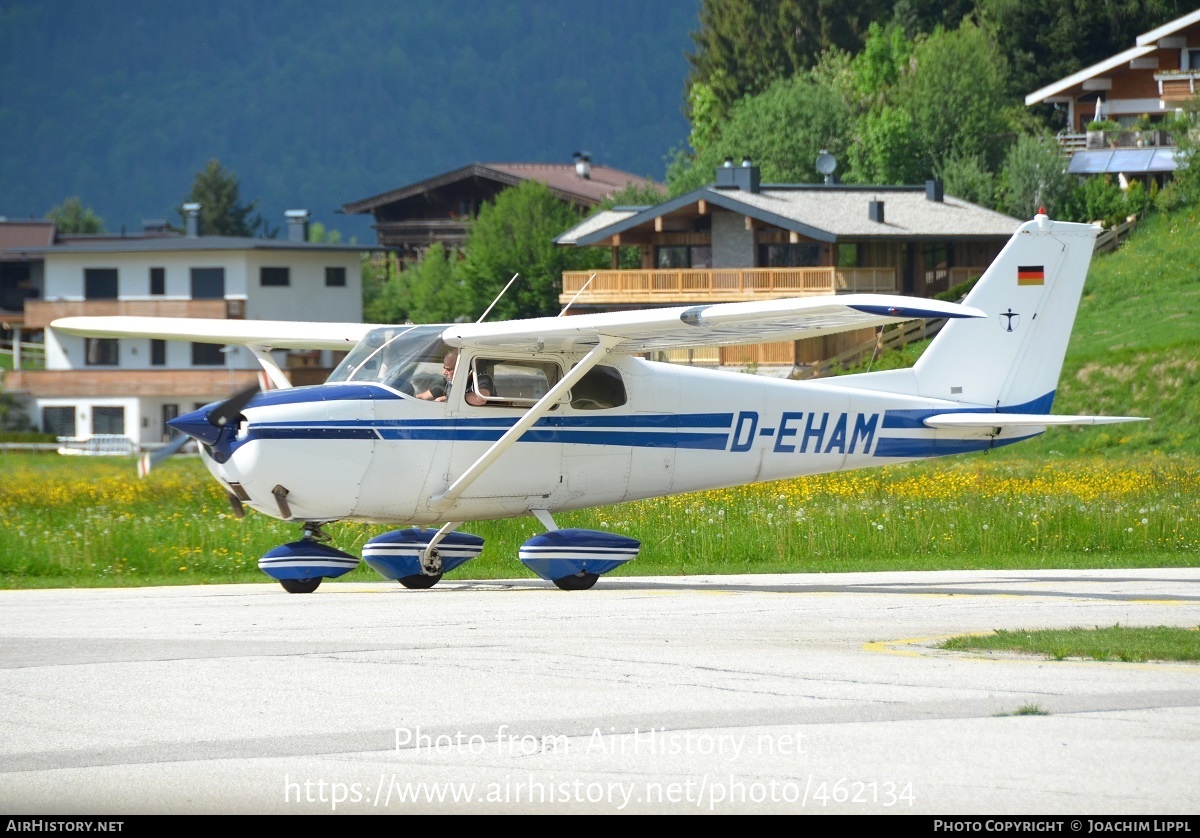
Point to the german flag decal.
(1031, 275)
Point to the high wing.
(270, 334)
(721, 324)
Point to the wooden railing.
(1177, 85)
(22, 355)
(943, 279)
(40, 313)
(727, 284)
(1110, 239)
(194, 384)
(901, 336)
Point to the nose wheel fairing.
(306, 559)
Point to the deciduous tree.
(71, 216)
(515, 235)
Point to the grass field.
(1108, 643)
(91, 521)
(1116, 496)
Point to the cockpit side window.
(513, 383)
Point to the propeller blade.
(149, 461)
(229, 410)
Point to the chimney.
(583, 164)
(192, 214)
(743, 177)
(297, 225)
(935, 190)
(875, 211)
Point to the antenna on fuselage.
(498, 296)
(577, 293)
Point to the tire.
(578, 582)
(300, 586)
(419, 581)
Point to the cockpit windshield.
(405, 358)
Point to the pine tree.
(222, 213)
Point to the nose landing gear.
(299, 566)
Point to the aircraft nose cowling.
(197, 426)
(216, 424)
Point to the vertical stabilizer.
(1030, 294)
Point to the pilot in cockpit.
(441, 392)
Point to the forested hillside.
(316, 104)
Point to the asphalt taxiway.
(796, 693)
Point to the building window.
(108, 420)
(158, 353)
(684, 256)
(59, 421)
(208, 283)
(158, 281)
(805, 255)
(169, 412)
(275, 277)
(207, 355)
(102, 352)
(335, 277)
(99, 283)
(848, 256)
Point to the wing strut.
(267, 362)
(540, 409)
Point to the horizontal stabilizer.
(1020, 420)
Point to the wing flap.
(1020, 420)
(720, 324)
(274, 334)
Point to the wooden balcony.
(40, 313)
(662, 287)
(1178, 86)
(422, 232)
(189, 385)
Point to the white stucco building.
(94, 386)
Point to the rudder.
(1030, 293)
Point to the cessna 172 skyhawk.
(563, 414)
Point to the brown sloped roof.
(559, 177)
(19, 235)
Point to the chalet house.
(1159, 74)
(132, 387)
(412, 218)
(738, 239)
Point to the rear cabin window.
(599, 389)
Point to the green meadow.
(1104, 497)
(91, 521)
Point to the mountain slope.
(313, 104)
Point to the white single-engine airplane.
(571, 417)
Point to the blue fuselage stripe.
(900, 447)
